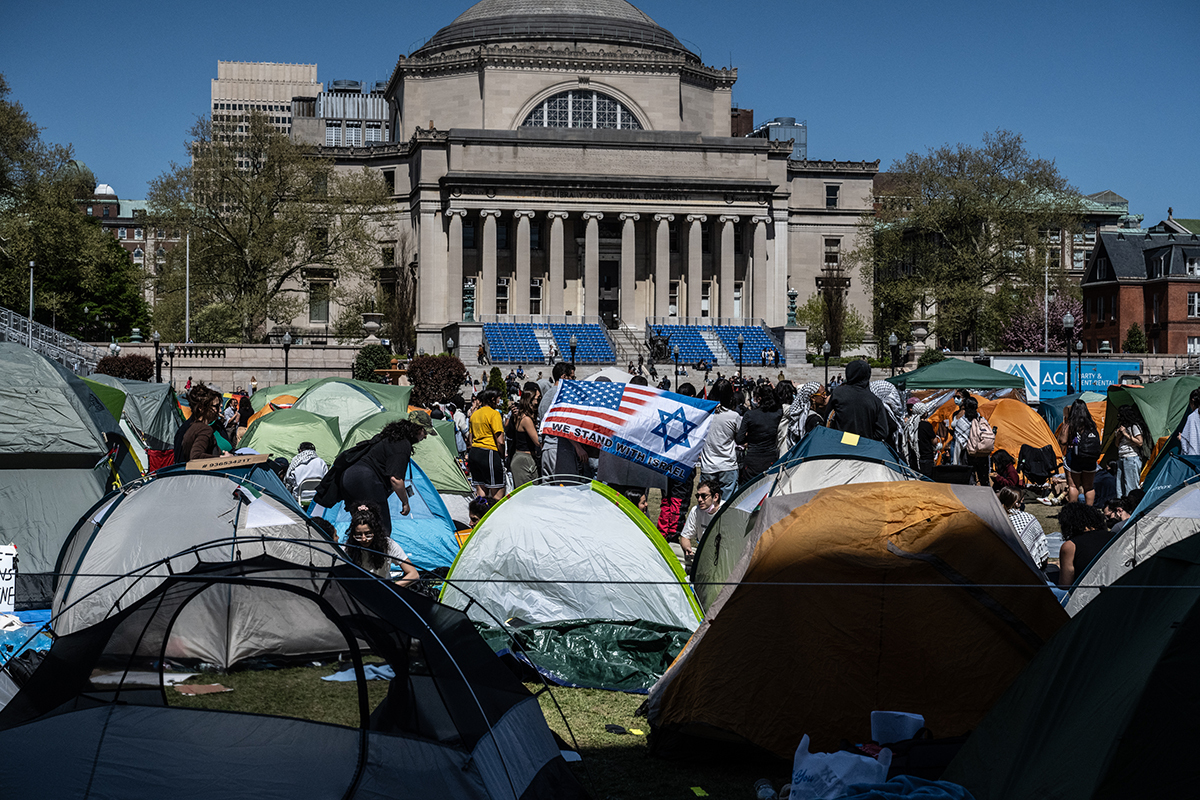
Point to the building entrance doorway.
(610, 291)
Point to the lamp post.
(156, 338)
(114, 349)
(1069, 326)
(30, 305)
(1079, 362)
(741, 341)
(287, 345)
(573, 342)
(675, 354)
(171, 362)
(825, 348)
(894, 346)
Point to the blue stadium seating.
(592, 345)
(692, 347)
(513, 342)
(754, 339)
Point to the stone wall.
(231, 366)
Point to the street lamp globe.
(156, 338)
(1078, 345)
(449, 344)
(287, 339)
(893, 340)
(825, 348)
(1068, 321)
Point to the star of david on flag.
(657, 429)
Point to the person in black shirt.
(1084, 534)
(382, 470)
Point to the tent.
(134, 539)
(823, 458)
(339, 398)
(1016, 423)
(280, 434)
(1163, 405)
(589, 568)
(453, 724)
(54, 437)
(426, 534)
(260, 399)
(1053, 409)
(955, 373)
(911, 596)
(1169, 513)
(1108, 707)
(430, 454)
(149, 415)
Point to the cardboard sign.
(226, 462)
(8, 578)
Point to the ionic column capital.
(557, 214)
(592, 215)
(729, 218)
(519, 214)
(697, 218)
(760, 220)
(625, 217)
(455, 212)
(664, 217)
(490, 213)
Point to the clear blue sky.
(1106, 89)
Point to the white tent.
(552, 553)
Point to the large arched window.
(581, 108)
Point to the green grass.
(614, 766)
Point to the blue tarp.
(426, 534)
(13, 643)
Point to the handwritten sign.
(8, 578)
(226, 462)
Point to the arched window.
(581, 108)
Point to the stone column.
(695, 270)
(725, 289)
(486, 292)
(628, 273)
(761, 289)
(662, 265)
(591, 264)
(557, 279)
(454, 265)
(520, 302)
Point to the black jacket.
(854, 408)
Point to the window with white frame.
(1193, 305)
(1193, 267)
(833, 254)
(354, 133)
(1194, 345)
(333, 134)
(138, 234)
(121, 233)
(535, 295)
(374, 132)
(581, 108)
(138, 254)
(832, 192)
(502, 295)
(705, 297)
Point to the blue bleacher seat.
(513, 342)
(754, 339)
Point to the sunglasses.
(703, 496)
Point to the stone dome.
(612, 22)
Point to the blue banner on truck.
(1045, 379)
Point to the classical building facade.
(572, 158)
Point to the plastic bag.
(829, 775)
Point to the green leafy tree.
(930, 356)
(849, 330)
(1135, 340)
(370, 358)
(266, 217)
(496, 381)
(955, 223)
(84, 282)
(435, 379)
(131, 367)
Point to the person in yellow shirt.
(485, 458)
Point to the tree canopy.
(85, 283)
(266, 216)
(960, 235)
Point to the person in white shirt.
(718, 459)
(305, 464)
(708, 503)
(370, 548)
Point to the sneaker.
(1046, 501)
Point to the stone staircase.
(627, 344)
(724, 357)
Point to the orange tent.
(275, 404)
(1016, 424)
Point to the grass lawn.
(614, 766)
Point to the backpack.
(1087, 445)
(981, 438)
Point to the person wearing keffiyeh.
(799, 418)
(894, 406)
(305, 464)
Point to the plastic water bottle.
(764, 790)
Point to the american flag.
(601, 407)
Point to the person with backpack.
(981, 438)
(1081, 441)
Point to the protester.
(1082, 441)
(799, 419)
(563, 371)
(980, 438)
(718, 459)
(1004, 471)
(382, 469)
(758, 433)
(1106, 484)
(676, 495)
(708, 503)
(1131, 436)
(197, 439)
(1084, 535)
(485, 458)
(1116, 513)
(1189, 437)
(928, 442)
(524, 446)
(1028, 529)
(853, 408)
(369, 546)
(304, 465)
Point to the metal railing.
(542, 319)
(77, 356)
(705, 322)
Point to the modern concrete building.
(243, 86)
(572, 160)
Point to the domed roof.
(104, 190)
(608, 21)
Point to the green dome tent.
(281, 432)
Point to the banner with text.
(1046, 379)
(8, 578)
(657, 429)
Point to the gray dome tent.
(454, 723)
